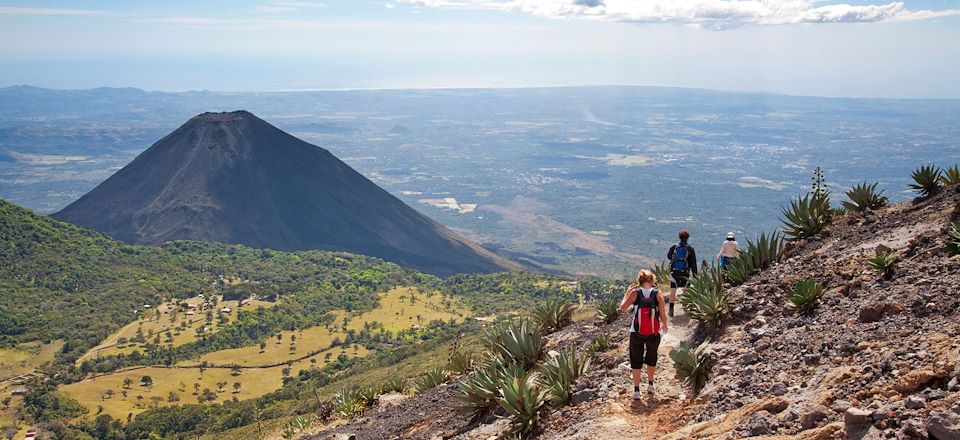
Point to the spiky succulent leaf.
(806, 295)
(608, 309)
(431, 379)
(552, 314)
(806, 217)
(885, 263)
(953, 239)
(692, 365)
(864, 197)
(348, 403)
(705, 298)
(521, 397)
(927, 180)
(951, 176)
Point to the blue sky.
(806, 47)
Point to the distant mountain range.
(234, 178)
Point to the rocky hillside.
(877, 359)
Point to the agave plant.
(927, 180)
(805, 295)
(760, 254)
(477, 393)
(396, 385)
(953, 239)
(692, 365)
(806, 216)
(608, 309)
(662, 272)
(348, 403)
(369, 395)
(431, 379)
(951, 176)
(559, 373)
(461, 362)
(519, 342)
(553, 314)
(522, 396)
(598, 344)
(294, 427)
(884, 262)
(705, 299)
(864, 197)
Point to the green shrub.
(927, 180)
(553, 314)
(396, 385)
(348, 403)
(560, 372)
(951, 176)
(953, 239)
(522, 396)
(838, 212)
(431, 379)
(608, 309)
(864, 197)
(807, 216)
(598, 344)
(885, 263)
(519, 342)
(477, 393)
(805, 296)
(692, 365)
(705, 298)
(461, 362)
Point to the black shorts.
(678, 279)
(643, 350)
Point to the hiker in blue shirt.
(683, 261)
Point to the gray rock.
(778, 389)
(812, 416)
(749, 358)
(915, 402)
(582, 396)
(840, 405)
(855, 416)
(945, 425)
(759, 424)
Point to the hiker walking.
(649, 323)
(729, 251)
(683, 261)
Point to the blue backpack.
(679, 261)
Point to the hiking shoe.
(671, 310)
(649, 388)
(637, 395)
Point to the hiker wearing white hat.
(729, 251)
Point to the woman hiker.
(649, 323)
(729, 251)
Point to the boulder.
(855, 416)
(871, 313)
(915, 402)
(944, 425)
(582, 396)
(812, 416)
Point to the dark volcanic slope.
(234, 178)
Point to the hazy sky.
(809, 47)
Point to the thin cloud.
(281, 6)
(712, 14)
(14, 10)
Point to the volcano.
(234, 178)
